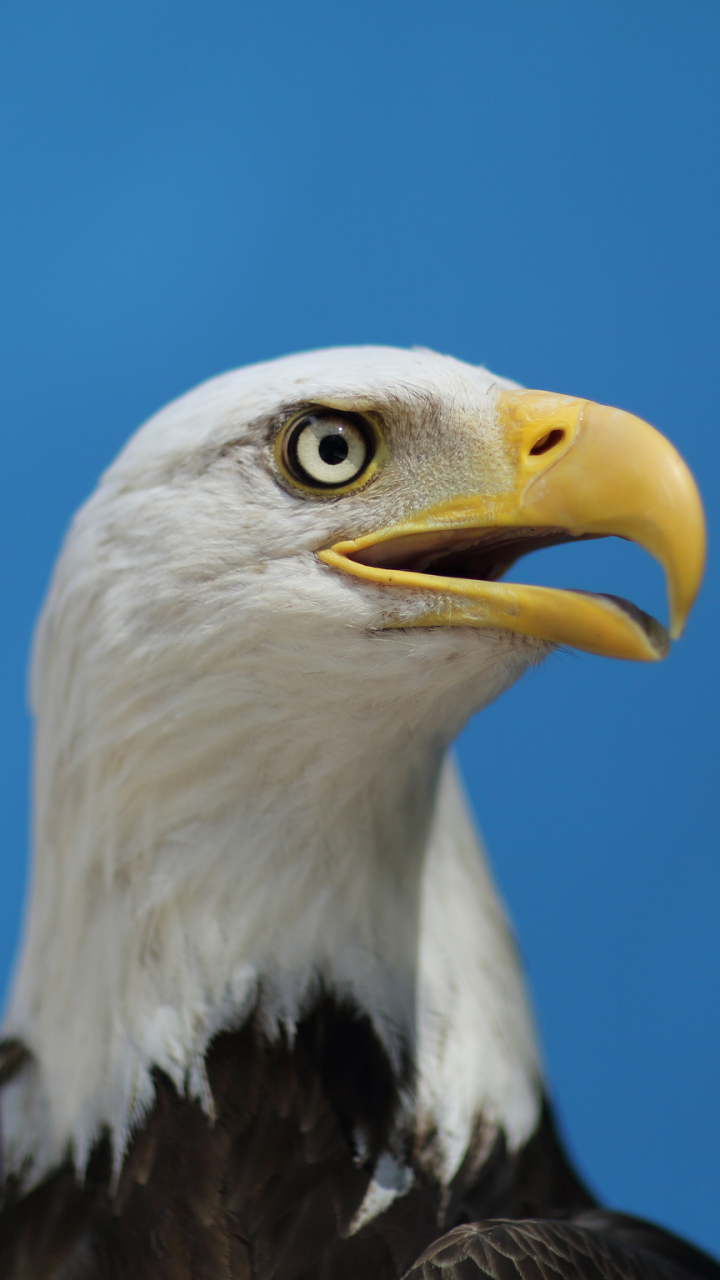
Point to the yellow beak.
(580, 470)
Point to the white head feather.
(239, 781)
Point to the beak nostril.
(548, 441)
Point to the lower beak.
(580, 470)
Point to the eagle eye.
(328, 450)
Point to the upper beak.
(579, 470)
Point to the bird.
(268, 1018)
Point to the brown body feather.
(269, 1187)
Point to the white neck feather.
(238, 863)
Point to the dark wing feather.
(638, 1234)
(600, 1246)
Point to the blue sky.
(531, 185)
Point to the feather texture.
(272, 1186)
(593, 1246)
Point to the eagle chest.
(271, 1184)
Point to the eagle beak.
(578, 470)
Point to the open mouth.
(480, 555)
(485, 555)
(464, 566)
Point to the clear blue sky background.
(187, 187)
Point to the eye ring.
(328, 451)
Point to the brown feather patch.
(268, 1190)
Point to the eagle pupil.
(333, 449)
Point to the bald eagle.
(268, 1020)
